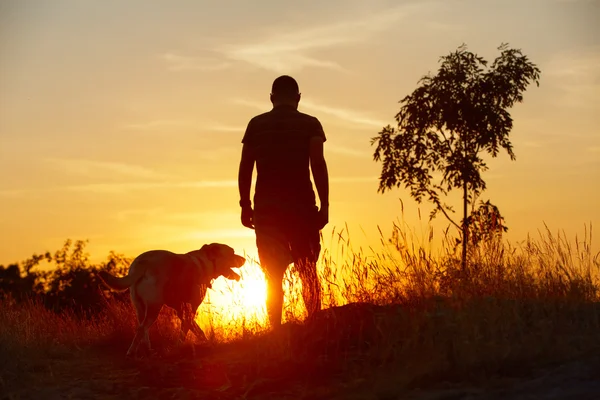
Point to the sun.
(252, 290)
(230, 303)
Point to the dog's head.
(224, 259)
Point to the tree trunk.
(465, 228)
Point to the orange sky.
(121, 121)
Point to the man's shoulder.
(260, 117)
(273, 114)
(309, 117)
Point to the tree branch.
(441, 208)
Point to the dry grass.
(414, 316)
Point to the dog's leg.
(198, 331)
(140, 311)
(185, 323)
(139, 333)
(152, 311)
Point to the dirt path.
(577, 379)
(85, 375)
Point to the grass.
(403, 317)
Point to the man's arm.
(318, 167)
(245, 184)
(245, 174)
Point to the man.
(286, 145)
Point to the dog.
(160, 277)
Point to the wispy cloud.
(167, 216)
(220, 153)
(124, 215)
(120, 188)
(345, 115)
(171, 125)
(216, 234)
(141, 186)
(577, 75)
(444, 27)
(291, 51)
(138, 186)
(529, 143)
(347, 151)
(176, 62)
(159, 124)
(354, 179)
(226, 128)
(102, 168)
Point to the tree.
(445, 125)
(485, 223)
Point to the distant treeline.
(68, 281)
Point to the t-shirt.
(280, 140)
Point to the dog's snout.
(240, 261)
(233, 275)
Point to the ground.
(262, 367)
(95, 376)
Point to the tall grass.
(410, 312)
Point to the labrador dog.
(160, 277)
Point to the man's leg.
(311, 286)
(274, 256)
(274, 276)
(306, 246)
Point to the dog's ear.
(211, 251)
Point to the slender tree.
(446, 124)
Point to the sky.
(121, 121)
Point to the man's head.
(285, 91)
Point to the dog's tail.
(119, 284)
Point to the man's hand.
(323, 217)
(248, 217)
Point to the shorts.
(284, 237)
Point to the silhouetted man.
(286, 145)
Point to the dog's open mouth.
(233, 276)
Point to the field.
(523, 321)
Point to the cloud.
(177, 63)
(166, 216)
(291, 50)
(159, 124)
(345, 115)
(444, 26)
(215, 234)
(180, 124)
(141, 186)
(529, 143)
(217, 154)
(346, 151)
(205, 184)
(226, 128)
(139, 213)
(103, 168)
(354, 179)
(120, 188)
(577, 75)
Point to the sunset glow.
(231, 303)
(121, 122)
